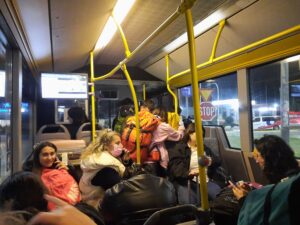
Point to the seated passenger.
(22, 191)
(183, 165)
(136, 199)
(164, 132)
(280, 203)
(101, 166)
(65, 214)
(77, 117)
(59, 179)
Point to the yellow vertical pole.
(196, 101)
(136, 111)
(144, 91)
(93, 97)
(168, 86)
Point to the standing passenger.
(164, 132)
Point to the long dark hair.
(191, 128)
(278, 156)
(25, 191)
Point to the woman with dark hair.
(277, 203)
(275, 157)
(59, 179)
(22, 191)
(77, 117)
(183, 166)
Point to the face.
(117, 141)
(47, 156)
(193, 139)
(258, 158)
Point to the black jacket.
(179, 162)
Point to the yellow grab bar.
(127, 51)
(242, 50)
(136, 111)
(168, 86)
(196, 101)
(93, 97)
(185, 4)
(213, 52)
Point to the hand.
(194, 172)
(65, 214)
(126, 156)
(60, 165)
(240, 190)
(209, 160)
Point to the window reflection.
(219, 105)
(275, 100)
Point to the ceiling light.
(120, 11)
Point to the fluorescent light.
(293, 58)
(201, 27)
(120, 11)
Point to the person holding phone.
(59, 178)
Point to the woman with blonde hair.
(102, 166)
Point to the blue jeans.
(191, 197)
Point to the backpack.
(271, 205)
(148, 123)
(61, 185)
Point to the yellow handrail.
(168, 86)
(168, 21)
(213, 52)
(196, 101)
(93, 97)
(127, 51)
(241, 50)
(136, 111)
(144, 91)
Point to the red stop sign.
(208, 111)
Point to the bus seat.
(84, 132)
(69, 150)
(212, 143)
(52, 132)
(187, 211)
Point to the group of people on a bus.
(113, 185)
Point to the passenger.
(59, 178)
(77, 117)
(148, 123)
(65, 214)
(126, 109)
(22, 191)
(277, 161)
(101, 166)
(13, 218)
(164, 132)
(183, 165)
(275, 158)
(132, 201)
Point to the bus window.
(219, 105)
(275, 100)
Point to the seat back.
(85, 132)
(52, 132)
